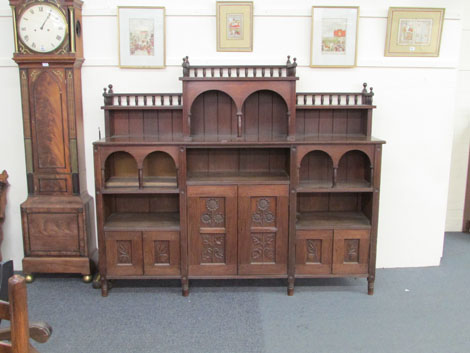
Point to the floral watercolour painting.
(334, 35)
(414, 31)
(234, 26)
(141, 37)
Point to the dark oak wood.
(51, 101)
(238, 176)
(16, 311)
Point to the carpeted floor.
(413, 310)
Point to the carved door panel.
(313, 251)
(262, 229)
(212, 212)
(351, 251)
(162, 253)
(124, 253)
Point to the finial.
(110, 89)
(185, 66)
(99, 133)
(288, 59)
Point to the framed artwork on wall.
(141, 37)
(334, 36)
(414, 31)
(234, 26)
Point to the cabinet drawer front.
(351, 251)
(313, 251)
(212, 230)
(124, 253)
(263, 229)
(161, 253)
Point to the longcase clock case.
(240, 176)
(56, 217)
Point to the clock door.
(50, 132)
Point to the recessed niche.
(354, 170)
(316, 170)
(121, 170)
(159, 170)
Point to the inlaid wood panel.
(49, 123)
(351, 251)
(313, 252)
(124, 253)
(161, 253)
(262, 229)
(212, 217)
(54, 232)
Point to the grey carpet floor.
(413, 310)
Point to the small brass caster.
(87, 278)
(29, 278)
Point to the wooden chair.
(17, 312)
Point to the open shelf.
(122, 182)
(159, 171)
(237, 165)
(142, 221)
(121, 171)
(332, 220)
(218, 178)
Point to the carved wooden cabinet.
(58, 234)
(240, 176)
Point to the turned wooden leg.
(370, 285)
(185, 286)
(29, 277)
(290, 285)
(104, 287)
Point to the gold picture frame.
(414, 31)
(334, 36)
(141, 37)
(234, 25)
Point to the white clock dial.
(42, 27)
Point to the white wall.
(460, 148)
(415, 99)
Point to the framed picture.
(334, 36)
(414, 31)
(234, 26)
(141, 37)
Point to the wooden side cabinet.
(238, 176)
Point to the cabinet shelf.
(220, 178)
(327, 186)
(142, 221)
(332, 220)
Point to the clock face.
(42, 27)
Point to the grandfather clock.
(58, 233)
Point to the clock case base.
(57, 235)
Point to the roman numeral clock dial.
(42, 27)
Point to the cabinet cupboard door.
(262, 229)
(351, 251)
(212, 228)
(161, 253)
(313, 251)
(124, 253)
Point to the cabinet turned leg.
(290, 286)
(29, 277)
(185, 286)
(370, 285)
(104, 287)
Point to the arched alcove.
(316, 170)
(354, 170)
(213, 117)
(159, 170)
(121, 170)
(265, 117)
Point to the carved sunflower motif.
(257, 218)
(268, 217)
(218, 218)
(212, 204)
(263, 204)
(206, 218)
